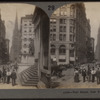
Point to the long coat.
(98, 73)
(83, 72)
(13, 75)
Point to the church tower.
(15, 48)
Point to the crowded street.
(67, 81)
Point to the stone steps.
(29, 77)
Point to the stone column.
(57, 53)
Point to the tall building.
(27, 38)
(69, 32)
(3, 47)
(97, 53)
(15, 48)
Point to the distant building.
(92, 49)
(7, 50)
(3, 47)
(15, 48)
(97, 52)
(27, 38)
(69, 32)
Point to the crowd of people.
(88, 73)
(8, 74)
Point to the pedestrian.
(98, 75)
(76, 75)
(4, 75)
(0, 75)
(14, 77)
(89, 73)
(84, 74)
(8, 76)
(16, 66)
(93, 72)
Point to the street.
(68, 81)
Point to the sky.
(93, 13)
(8, 14)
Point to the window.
(71, 53)
(30, 29)
(64, 37)
(62, 60)
(71, 29)
(62, 21)
(24, 56)
(62, 50)
(53, 28)
(54, 37)
(25, 39)
(50, 37)
(60, 37)
(24, 51)
(53, 50)
(30, 24)
(71, 21)
(71, 46)
(62, 29)
(63, 11)
(30, 39)
(25, 45)
(71, 37)
(25, 31)
(25, 24)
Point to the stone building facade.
(69, 32)
(27, 38)
(4, 51)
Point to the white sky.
(93, 13)
(8, 14)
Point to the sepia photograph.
(75, 46)
(60, 51)
(24, 47)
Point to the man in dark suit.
(98, 76)
(84, 74)
(13, 76)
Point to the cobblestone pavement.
(68, 81)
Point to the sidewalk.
(9, 86)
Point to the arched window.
(62, 50)
(53, 49)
